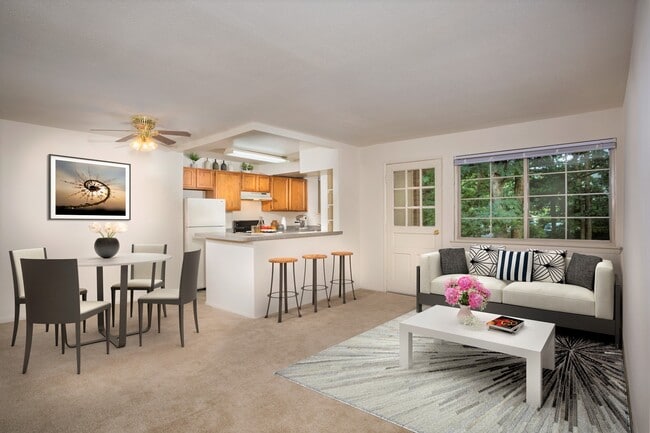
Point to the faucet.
(301, 219)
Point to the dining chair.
(19, 289)
(52, 296)
(184, 294)
(144, 276)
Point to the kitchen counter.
(253, 237)
(238, 272)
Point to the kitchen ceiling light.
(248, 154)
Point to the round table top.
(123, 259)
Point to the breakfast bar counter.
(238, 273)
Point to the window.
(414, 197)
(554, 192)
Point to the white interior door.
(412, 218)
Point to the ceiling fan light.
(144, 144)
(248, 154)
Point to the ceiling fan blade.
(127, 138)
(163, 140)
(182, 133)
(111, 130)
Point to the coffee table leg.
(405, 348)
(548, 353)
(534, 380)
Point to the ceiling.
(356, 72)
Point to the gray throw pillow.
(453, 261)
(582, 270)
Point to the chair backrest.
(16, 269)
(189, 275)
(143, 270)
(51, 290)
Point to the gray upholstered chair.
(144, 276)
(184, 294)
(52, 296)
(19, 289)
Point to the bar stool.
(282, 265)
(342, 280)
(315, 287)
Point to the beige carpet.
(222, 381)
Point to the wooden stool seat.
(283, 260)
(341, 253)
(314, 256)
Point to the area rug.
(455, 388)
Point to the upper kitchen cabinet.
(298, 194)
(198, 178)
(288, 194)
(228, 187)
(255, 182)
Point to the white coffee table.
(535, 342)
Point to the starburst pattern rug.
(455, 388)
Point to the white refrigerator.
(202, 215)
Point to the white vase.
(465, 315)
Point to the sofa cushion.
(453, 261)
(549, 265)
(582, 270)
(495, 286)
(515, 265)
(567, 298)
(483, 260)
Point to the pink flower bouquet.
(467, 290)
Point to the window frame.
(526, 239)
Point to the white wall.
(637, 234)
(601, 124)
(156, 201)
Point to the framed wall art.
(89, 189)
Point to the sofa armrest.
(429, 269)
(604, 281)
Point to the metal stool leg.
(325, 283)
(281, 288)
(314, 281)
(354, 296)
(270, 292)
(342, 276)
(304, 277)
(295, 290)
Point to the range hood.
(251, 195)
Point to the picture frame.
(86, 189)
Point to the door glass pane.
(428, 177)
(428, 217)
(399, 179)
(414, 217)
(399, 217)
(428, 197)
(399, 198)
(413, 197)
(413, 177)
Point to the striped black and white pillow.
(515, 265)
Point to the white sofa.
(565, 305)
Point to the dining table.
(123, 261)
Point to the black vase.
(107, 247)
(224, 167)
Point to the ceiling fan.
(145, 133)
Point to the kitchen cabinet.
(255, 182)
(227, 186)
(198, 178)
(297, 194)
(288, 194)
